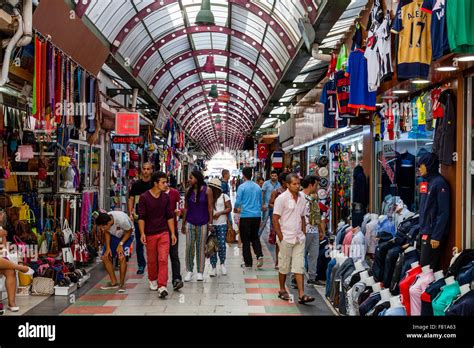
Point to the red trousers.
(158, 250)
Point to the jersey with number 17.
(414, 40)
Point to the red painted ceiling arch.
(201, 122)
(204, 29)
(187, 55)
(226, 120)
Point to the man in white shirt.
(290, 226)
(118, 232)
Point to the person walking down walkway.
(175, 202)
(249, 200)
(156, 220)
(268, 187)
(313, 226)
(275, 194)
(197, 219)
(8, 269)
(138, 188)
(225, 182)
(118, 229)
(222, 208)
(290, 226)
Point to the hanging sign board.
(389, 149)
(127, 123)
(119, 139)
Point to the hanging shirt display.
(405, 286)
(343, 93)
(439, 33)
(418, 287)
(445, 298)
(329, 99)
(414, 41)
(459, 15)
(360, 97)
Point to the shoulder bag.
(42, 286)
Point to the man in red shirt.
(156, 220)
(175, 202)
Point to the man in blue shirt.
(225, 182)
(249, 201)
(268, 187)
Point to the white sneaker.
(188, 277)
(223, 270)
(213, 272)
(200, 277)
(153, 285)
(163, 292)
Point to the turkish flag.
(262, 151)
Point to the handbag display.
(11, 184)
(64, 161)
(67, 255)
(25, 152)
(67, 233)
(5, 201)
(42, 286)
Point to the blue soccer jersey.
(360, 97)
(329, 99)
(439, 32)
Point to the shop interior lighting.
(446, 68)
(360, 146)
(466, 59)
(420, 82)
(401, 91)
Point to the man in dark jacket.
(434, 210)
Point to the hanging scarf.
(90, 106)
(58, 89)
(84, 224)
(35, 77)
(82, 100)
(44, 54)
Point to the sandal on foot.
(305, 299)
(283, 295)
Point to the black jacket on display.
(359, 190)
(434, 202)
(444, 144)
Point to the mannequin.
(377, 287)
(449, 280)
(464, 289)
(435, 197)
(425, 269)
(439, 275)
(395, 301)
(385, 296)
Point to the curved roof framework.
(252, 43)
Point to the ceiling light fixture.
(401, 91)
(205, 15)
(466, 59)
(446, 68)
(420, 82)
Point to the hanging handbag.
(151, 145)
(67, 233)
(11, 184)
(67, 255)
(25, 212)
(5, 201)
(54, 249)
(25, 152)
(28, 138)
(42, 286)
(33, 165)
(64, 161)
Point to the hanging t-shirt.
(360, 97)
(329, 99)
(373, 66)
(343, 92)
(384, 48)
(414, 41)
(436, 107)
(439, 33)
(459, 15)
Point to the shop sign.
(389, 149)
(127, 123)
(117, 139)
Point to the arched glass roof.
(252, 43)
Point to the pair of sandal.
(283, 295)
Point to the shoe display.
(188, 277)
(213, 272)
(223, 270)
(200, 277)
(153, 285)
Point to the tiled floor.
(241, 292)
